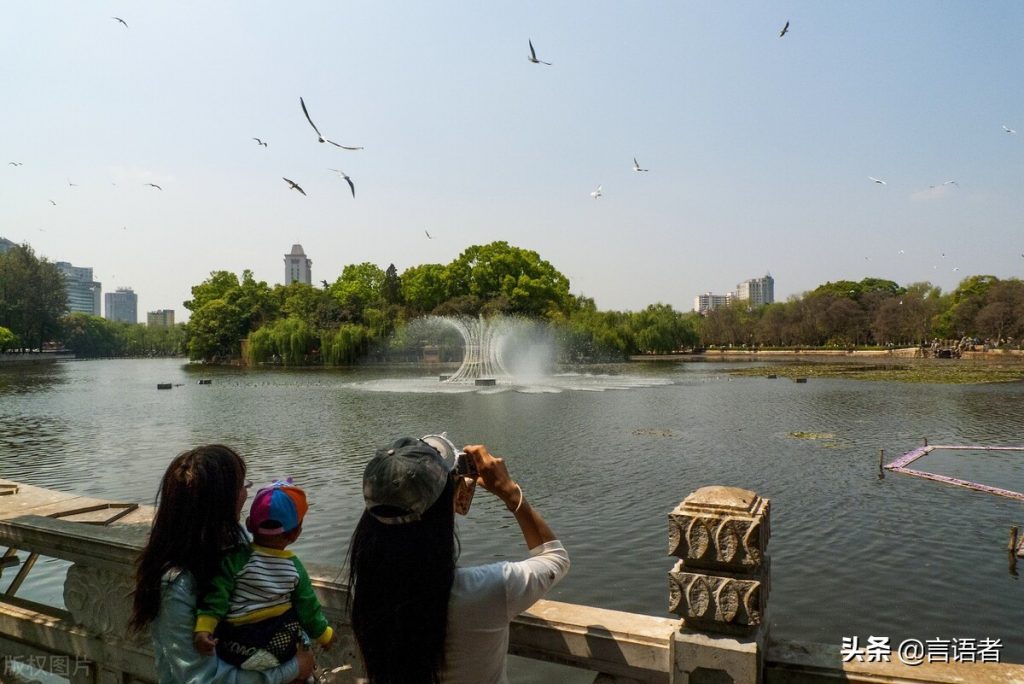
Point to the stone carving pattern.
(711, 598)
(730, 541)
(100, 600)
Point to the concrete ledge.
(606, 641)
(794, 662)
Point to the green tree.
(660, 329)
(8, 340)
(359, 287)
(90, 336)
(391, 289)
(529, 284)
(423, 287)
(33, 296)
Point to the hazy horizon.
(759, 148)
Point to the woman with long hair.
(417, 615)
(200, 500)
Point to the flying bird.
(53, 203)
(636, 166)
(1008, 130)
(785, 30)
(533, 56)
(952, 182)
(319, 135)
(877, 180)
(431, 237)
(72, 185)
(120, 20)
(15, 164)
(293, 185)
(154, 185)
(597, 193)
(260, 142)
(326, 284)
(347, 180)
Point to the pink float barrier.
(899, 466)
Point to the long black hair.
(400, 579)
(196, 521)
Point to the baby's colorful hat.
(277, 509)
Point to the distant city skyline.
(132, 149)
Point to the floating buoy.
(205, 382)
(163, 385)
(485, 382)
(771, 377)
(800, 380)
(442, 378)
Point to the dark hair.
(196, 521)
(400, 579)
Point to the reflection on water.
(851, 554)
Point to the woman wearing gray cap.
(416, 615)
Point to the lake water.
(605, 453)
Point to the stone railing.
(719, 587)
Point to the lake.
(604, 453)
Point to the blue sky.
(759, 147)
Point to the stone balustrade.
(719, 587)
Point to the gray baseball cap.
(403, 480)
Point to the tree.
(215, 331)
(422, 287)
(224, 311)
(661, 330)
(359, 287)
(529, 284)
(8, 340)
(33, 296)
(90, 336)
(391, 289)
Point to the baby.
(261, 605)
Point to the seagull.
(53, 203)
(120, 20)
(293, 185)
(347, 180)
(785, 30)
(319, 135)
(533, 56)
(636, 166)
(326, 284)
(597, 193)
(260, 142)
(952, 182)
(1008, 130)
(956, 268)
(15, 164)
(877, 180)
(154, 185)
(72, 185)
(902, 252)
(431, 237)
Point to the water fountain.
(484, 340)
(500, 354)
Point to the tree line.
(366, 312)
(876, 312)
(34, 315)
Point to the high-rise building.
(164, 318)
(757, 291)
(83, 291)
(709, 302)
(121, 305)
(297, 268)
(5, 245)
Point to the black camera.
(465, 465)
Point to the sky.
(759, 147)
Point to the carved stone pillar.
(720, 585)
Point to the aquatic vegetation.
(931, 371)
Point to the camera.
(458, 461)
